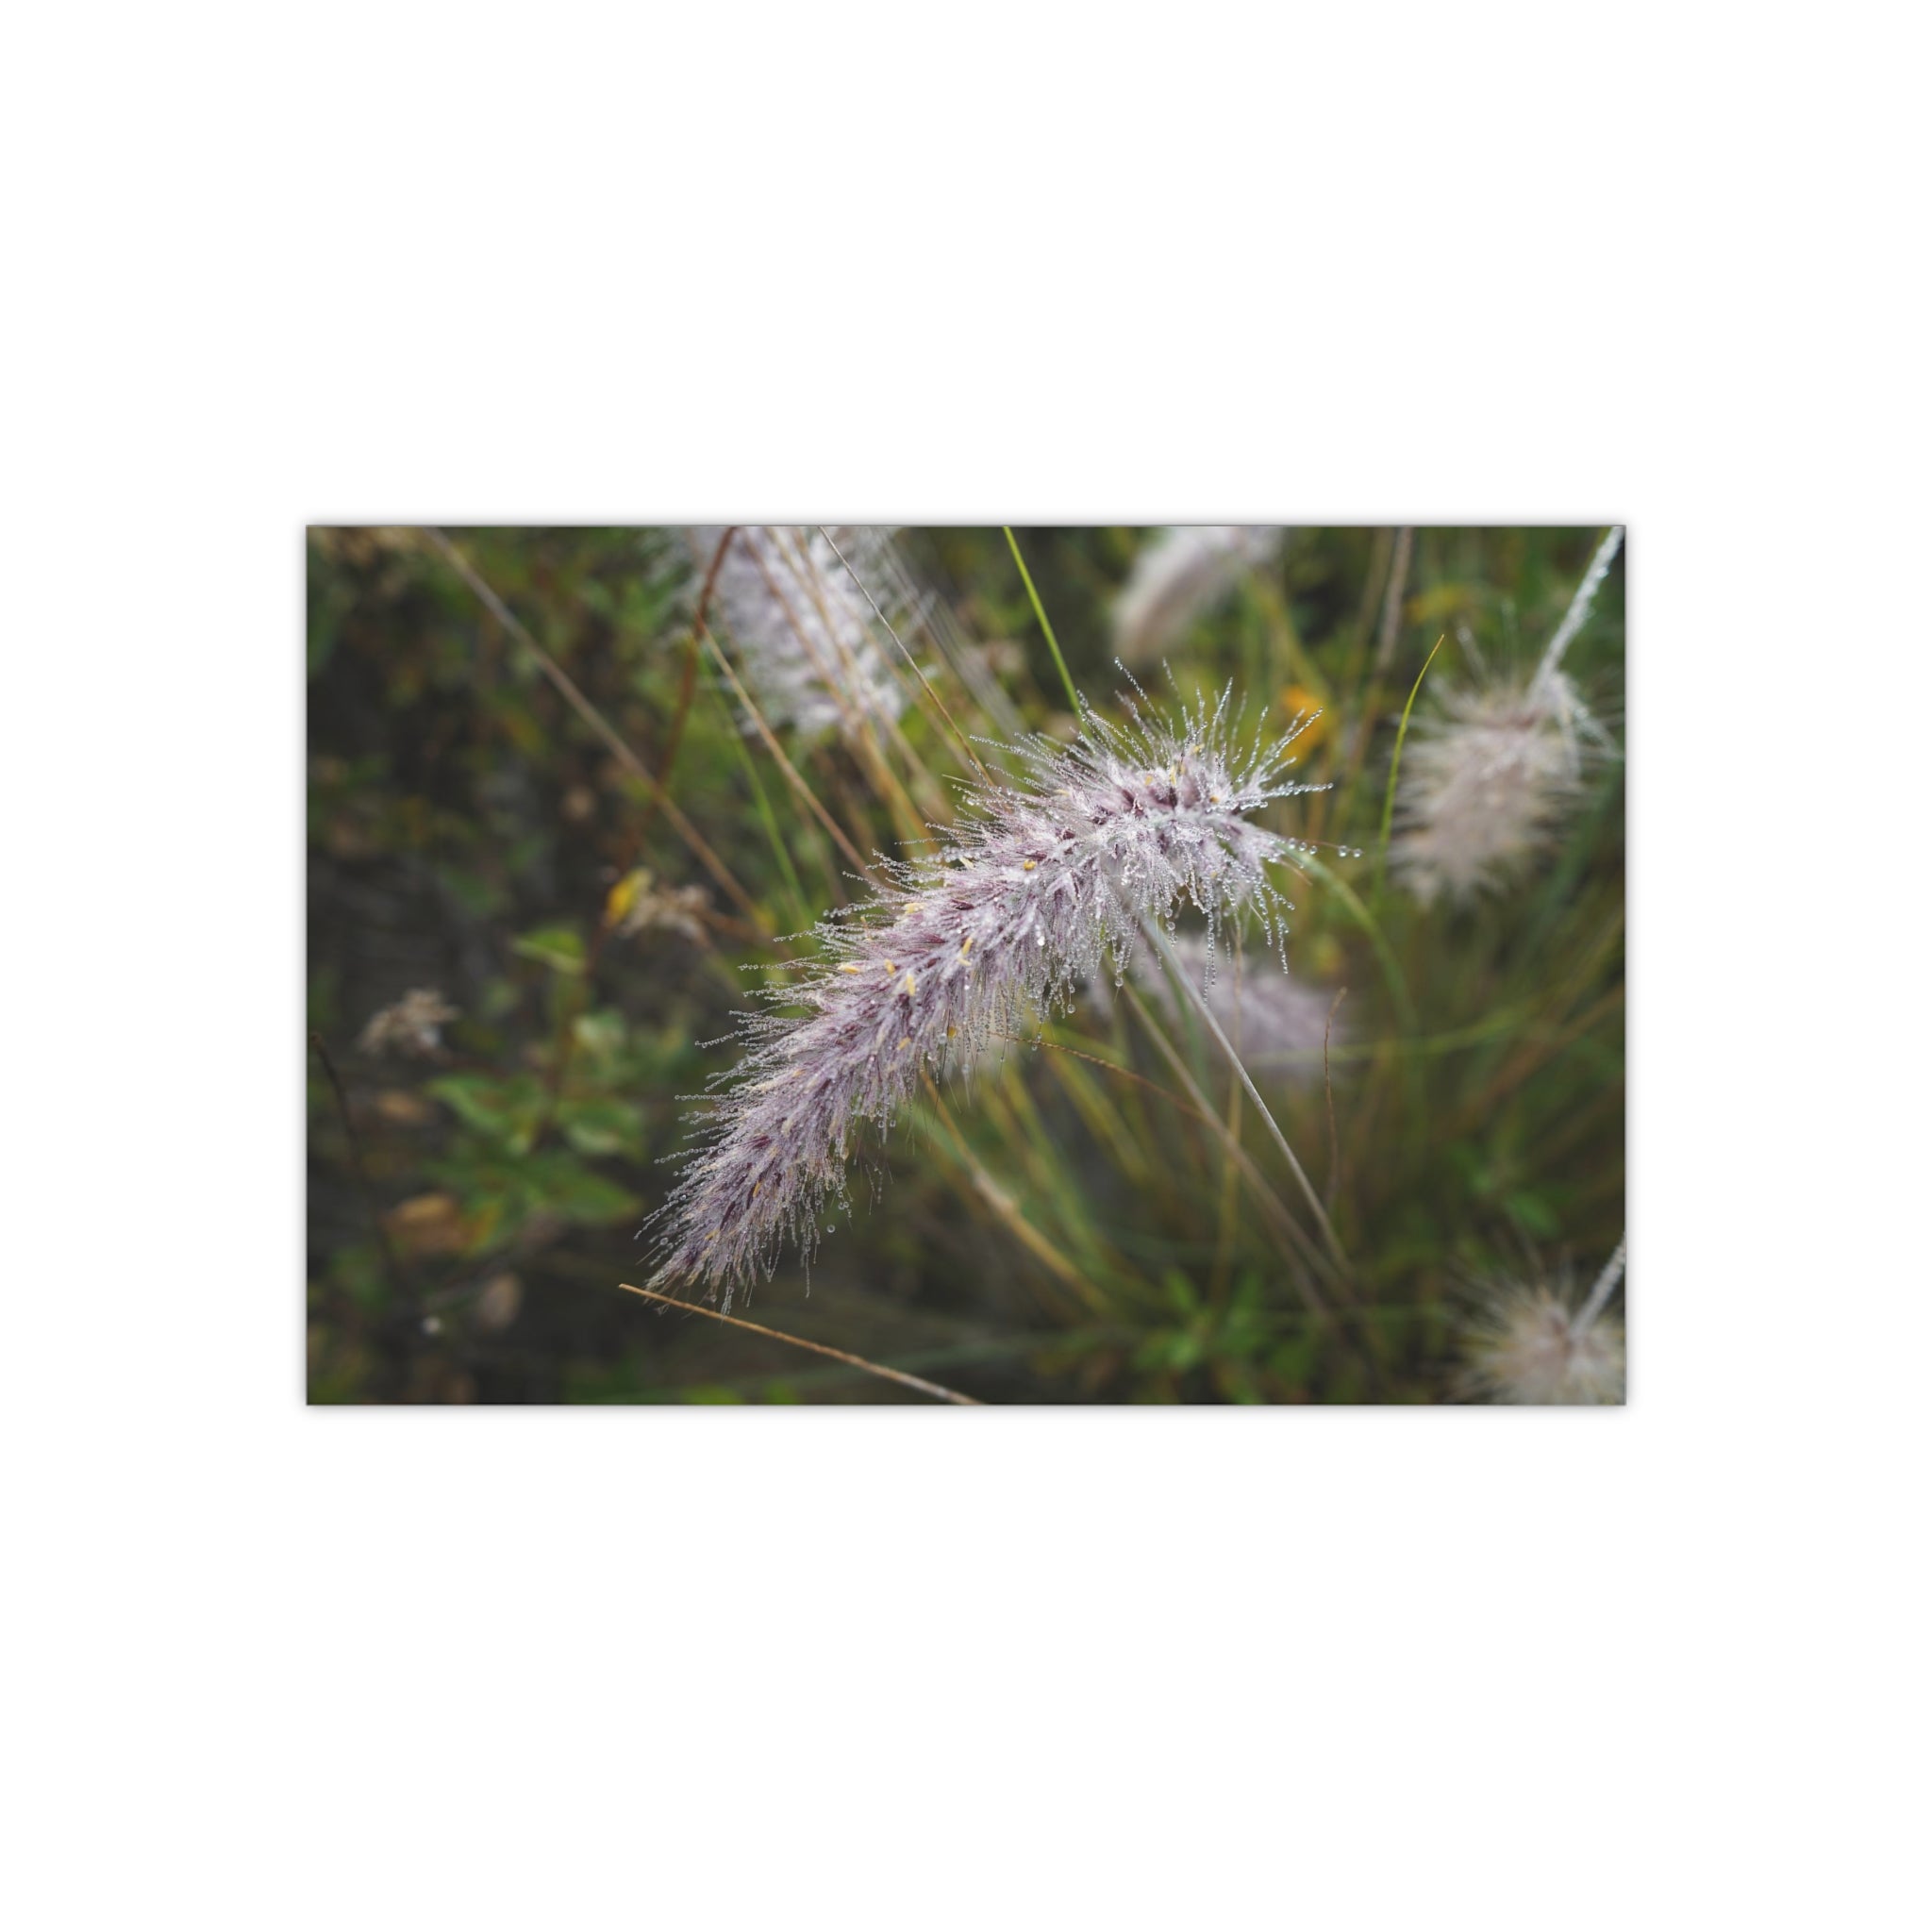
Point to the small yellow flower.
(623, 896)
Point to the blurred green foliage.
(1063, 1230)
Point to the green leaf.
(559, 947)
(571, 1190)
(600, 1034)
(506, 1110)
(1532, 1215)
(603, 1126)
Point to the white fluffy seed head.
(1485, 784)
(1493, 769)
(1526, 1345)
(810, 638)
(1041, 884)
(1178, 577)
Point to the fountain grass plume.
(1180, 576)
(1529, 1343)
(1486, 784)
(1040, 882)
(803, 626)
(1491, 775)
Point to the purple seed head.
(1040, 882)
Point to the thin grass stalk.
(838, 1355)
(1385, 954)
(392, 1269)
(863, 734)
(1152, 928)
(1396, 765)
(1392, 601)
(1049, 1166)
(1052, 644)
(1053, 1197)
(1600, 1295)
(1542, 1051)
(1304, 1256)
(1002, 1203)
(1388, 632)
(958, 652)
(929, 799)
(926, 683)
(790, 770)
(767, 817)
(1579, 605)
(1103, 1119)
(839, 682)
(1328, 1087)
(567, 688)
(1229, 1210)
(688, 680)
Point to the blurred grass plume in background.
(1529, 1344)
(1492, 772)
(803, 624)
(1181, 575)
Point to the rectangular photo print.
(828, 963)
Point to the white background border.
(274, 1667)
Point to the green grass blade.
(1039, 611)
(766, 816)
(1392, 970)
(1395, 763)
